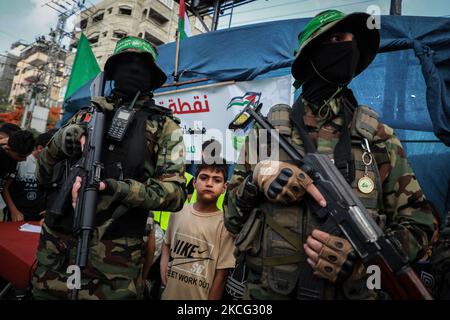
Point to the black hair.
(22, 142)
(9, 128)
(213, 164)
(42, 139)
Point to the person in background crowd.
(24, 200)
(6, 130)
(18, 147)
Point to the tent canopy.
(415, 55)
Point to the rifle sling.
(343, 157)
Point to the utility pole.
(65, 9)
(396, 8)
(29, 106)
(42, 89)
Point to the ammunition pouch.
(249, 239)
(278, 117)
(59, 212)
(282, 248)
(365, 123)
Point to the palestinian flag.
(183, 22)
(251, 98)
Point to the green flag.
(84, 68)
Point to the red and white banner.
(204, 114)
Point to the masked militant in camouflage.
(278, 236)
(142, 172)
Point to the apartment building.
(33, 69)
(110, 20)
(8, 64)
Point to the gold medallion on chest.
(366, 185)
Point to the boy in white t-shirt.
(198, 250)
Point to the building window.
(105, 33)
(140, 35)
(168, 3)
(144, 14)
(83, 24)
(156, 16)
(93, 40)
(110, 10)
(98, 17)
(154, 40)
(73, 45)
(126, 11)
(119, 34)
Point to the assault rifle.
(346, 216)
(89, 168)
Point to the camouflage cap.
(129, 45)
(329, 21)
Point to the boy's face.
(210, 185)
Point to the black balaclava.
(332, 65)
(132, 74)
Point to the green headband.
(318, 22)
(136, 44)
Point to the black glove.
(71, 136)
(247, 195)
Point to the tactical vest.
(124, 160)
(273, 237)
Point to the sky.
(26, 19)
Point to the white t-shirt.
(199, 244)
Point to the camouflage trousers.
(114, 269)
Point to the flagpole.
(177, 58)
(181, 10)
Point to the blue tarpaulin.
(408, 83)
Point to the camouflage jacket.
(163, 190)
(408, 213)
